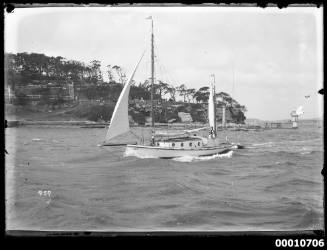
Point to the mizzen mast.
(212, 109)
(152, 72)
(214, 106)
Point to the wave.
(312, 220)
(309, 140)
(268, 165)
(294, 152)
(287, 163)
(295, 182)
(283, 143)
(204, 158)
(262, 144)
(36, 139)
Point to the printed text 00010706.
(299, 243)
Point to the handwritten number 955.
(44, 193)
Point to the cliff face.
(232, 115)
(174, 112)
(139, 113)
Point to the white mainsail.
(211, 108)
(119, 123)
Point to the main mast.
(152, 73)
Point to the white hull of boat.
(168, 153)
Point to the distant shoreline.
(91, 124)
(53, 123)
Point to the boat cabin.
(180, 142)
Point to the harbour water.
(274, 183)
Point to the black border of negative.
(264, 239)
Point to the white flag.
(149, 17)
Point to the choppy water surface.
(275, 183)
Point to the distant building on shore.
(71, 91)
(185, 117)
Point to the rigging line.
(160, 67)
(169, 79)
(160, 63)
(168, 73)
(156, 67)
(172, 79)
(159, 72)
(135, 134)
(146, 52)
(165, 79)
(146, 70)
(163, 76)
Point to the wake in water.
(204, 158)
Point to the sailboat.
(164, 144)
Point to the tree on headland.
(236, 110)
(146, 85)
(162, 88)
(225, 99)
(109, 73)
(189, 94)
(121, 75)
(171, 90)
(182, 91)
(32, 74)
(96, 71)
(202, 95)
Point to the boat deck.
(179, 139)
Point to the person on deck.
(152, 139)
(212, 133)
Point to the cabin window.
(190, 144)
(198, 143)
(173, 144)
(182, 144)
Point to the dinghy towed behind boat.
(164, 144)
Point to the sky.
(267, 59)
